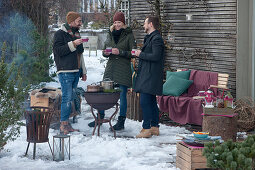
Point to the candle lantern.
(61, 147)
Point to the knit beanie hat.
(71, 16)
(119, 16)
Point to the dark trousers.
(150, 110)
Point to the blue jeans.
(150, 110)
(69, 82)
(123, 101)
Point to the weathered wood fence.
(199, 34)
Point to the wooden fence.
(198, 34)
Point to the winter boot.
(64, 127)
(92, 124)
(120, 123)
(144, 133)
(155, 131)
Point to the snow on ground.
(97, 153)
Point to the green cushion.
(175, 86)
(180, 74)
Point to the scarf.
(74, 32)
(116, 35)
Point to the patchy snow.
(93, 152)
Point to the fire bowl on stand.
(102, 100)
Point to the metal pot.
(107, 84)
(93, 88)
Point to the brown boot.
(155, 131)
(145, 133)
(142, 130)
(64, 127)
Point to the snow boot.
(92, 124)
(120, 123)
(144, 133)
(64, 128)
(155, 131)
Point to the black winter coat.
(151, 64)
(65, 55)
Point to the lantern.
(61, 147)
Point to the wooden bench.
(222, 81)
(179, 108)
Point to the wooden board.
(134, 111)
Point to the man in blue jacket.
(68, 49)
(149, 80)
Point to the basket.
(245, 125)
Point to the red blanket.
(184, 109)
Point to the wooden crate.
(189, 158)
(42, 102)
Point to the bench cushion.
(175, 86)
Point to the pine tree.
(11, 98)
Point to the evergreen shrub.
(11, 99)
(231, 155)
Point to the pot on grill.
(93, 88)
(107, 84)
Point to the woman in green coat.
(118, 69)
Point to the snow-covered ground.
(93, 152)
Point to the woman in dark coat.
(118, 69)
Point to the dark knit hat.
(119, 16)
(71, 16)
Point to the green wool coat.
(118, 67)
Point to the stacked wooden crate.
(189, 158)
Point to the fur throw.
(46, 92)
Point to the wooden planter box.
(189, 158)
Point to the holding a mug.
(133, 51)
(118, 47)
(108, 51)
(85, 39)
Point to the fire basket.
(37, 124)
